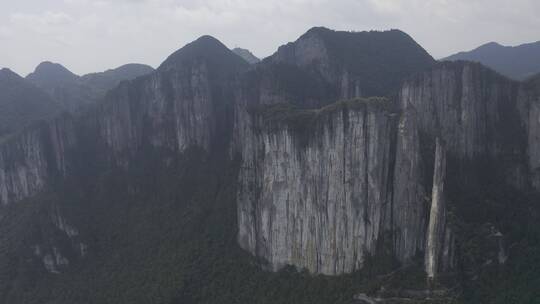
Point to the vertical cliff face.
(529, 102)
(37, 155)
(322, 185)
(185, 103)
(469, 108)
(436, 234)
(472, 108)
(407, 215)
(315, 198)
(166, 109)
(471, 115)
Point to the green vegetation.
(156, 234)
(380, 61)
(480, 207)
(289, 113)
(305, 122)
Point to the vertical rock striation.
(298, 206)
(184, 103)
(473, 109)
(30, 159)
(320, 186)
(317, 200)
(435, 240)
(407, 218)
(529, 105)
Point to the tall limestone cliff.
(36, 156)
(473, 110)
(185, 103)
(529, 105)
(439, 235)
(314, 195)
(322, 184)
(177, 106)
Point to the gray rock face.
(472, 108)
(298, 205)
(179, 106)
(409, 198)
(318, 205)
(174, 108)
(529, 104)
(435, 240)
(30, 159)
(320, 189)
(169, 110)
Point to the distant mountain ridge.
(246, 55)
(73, 91)
(517, 62)
(213, 181)
(22, 103)
(51, 89)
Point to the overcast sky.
(93, 35)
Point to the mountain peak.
(206, 48)
(318, 30)
(490, 45)
(51, 74)
(517, 62)
(373, 62)
(6, 73)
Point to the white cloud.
(92, 35)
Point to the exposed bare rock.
(529, 105)
(184, 103)
(408, 208)
(317, 200)
(35, 156)
(436, 231)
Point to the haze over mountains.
(517, 62)
(52, 89)
(348, 167)
(21, 103)
(74, 91)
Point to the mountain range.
(517, 62)
(22, 103)
(52, 89)
(347, 167)
(74, 92)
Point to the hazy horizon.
(95, 35)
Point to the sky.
(95, 35)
